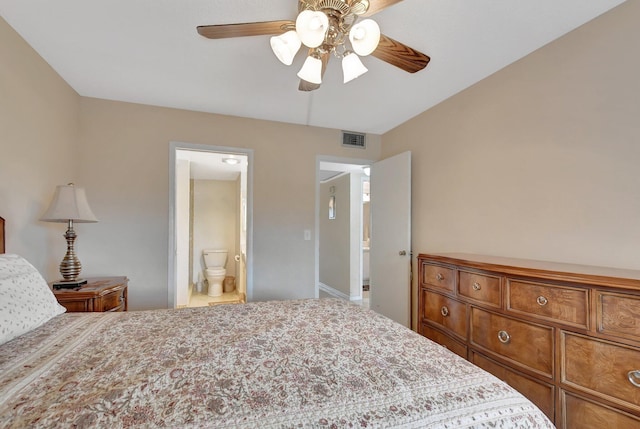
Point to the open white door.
(390, 265)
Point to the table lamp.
(69, 205)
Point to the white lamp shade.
(286, 46)
(69, 203)
(312, 27)
(352, 67)
(364, 37)
(311, 70)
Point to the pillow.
(26, 301)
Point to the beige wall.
(215, 219)
(124, 159)
(120, 153)
(540, 160)
(537, 161)
(38, 136)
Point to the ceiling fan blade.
(247, 29)
(376, 6)
(308, 86)
(400, 55)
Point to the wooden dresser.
(99, 294)
(566, 336)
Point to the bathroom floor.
(203, 300)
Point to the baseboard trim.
(336, 293)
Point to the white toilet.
(214, 261)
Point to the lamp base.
(71, 284)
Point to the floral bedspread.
(289, 364)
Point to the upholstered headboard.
(1, 235)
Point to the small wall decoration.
(332, 207)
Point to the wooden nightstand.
(99, 294)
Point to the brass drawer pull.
(439, 277)
(476, 286)
(542, 301)
(634, 377)
(504, 337)
(444, 311)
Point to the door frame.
(172, 245)
(339, 160)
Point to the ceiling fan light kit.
(328, 27)
(325, 26)
(311, 70)
(312, 27)
(286, 46)
(352, 67)
(364, 37)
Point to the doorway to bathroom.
(210, 225)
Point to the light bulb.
(364, 37)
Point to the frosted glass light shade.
(364, 37)
(69, 203)
(311, 70)
(352, 67)
(312, 27)
(286, 46)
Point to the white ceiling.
(148, 51)
(206, 165)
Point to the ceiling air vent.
(350, 139)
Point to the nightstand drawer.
(555, 303)
(526, 344)
(113, 301)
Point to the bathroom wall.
(215, 220)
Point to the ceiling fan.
(328, 27)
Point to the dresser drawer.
(584, 414)
(541, 394)
(113, 301)
(445, 312)
(444, 340)
(527, 345)
(439, 277)
(480, 287)
(618, 314)
(551, 302)
(601, 368)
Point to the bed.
(281, 364)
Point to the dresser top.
(593, 275)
